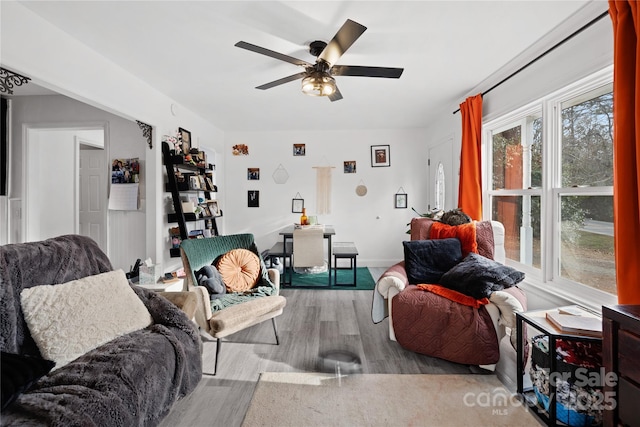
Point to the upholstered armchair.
(256, 297)
(426, 319)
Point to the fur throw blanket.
(133, 380)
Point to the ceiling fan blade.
(354, 70)
(335, 96)
(282, 81)
(344, 38)
(272, 54)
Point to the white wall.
(51, 58)
(371, 221)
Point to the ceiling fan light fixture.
(319, 83)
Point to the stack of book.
(576, 321)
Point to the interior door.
(92, 200)
(440, 166)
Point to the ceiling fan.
(317, 79)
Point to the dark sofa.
(132, 380)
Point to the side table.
(537, 320)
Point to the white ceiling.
(186, 50)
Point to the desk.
(287, 234)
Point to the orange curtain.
(626, 148)
(470, 189)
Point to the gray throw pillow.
(478, 276)
(426, 261)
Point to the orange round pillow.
(240, 269)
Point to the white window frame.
(548, 278)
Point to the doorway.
(66, 182)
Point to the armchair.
(233, 311)
(431, 324)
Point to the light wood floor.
(313, 321)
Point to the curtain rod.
(566, 39)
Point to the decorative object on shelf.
(253, 174)
(401, 199)
(253, 198)
(175, 146)
(240, 150)
(147, 132)
(350, 166)
(361, 189)
(299, 149)
(380, 156)
(185, 138)
(297, 204)
(304, 219)
(9, 79)
(280, 175)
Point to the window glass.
(586, 241)
(587, 140)
(520, 216)
(517, 155)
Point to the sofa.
(81, 346)
(431, 319)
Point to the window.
(551, 185)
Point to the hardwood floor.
(313, 321)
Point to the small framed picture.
(299, 149)
(253, 174)
(194, 182)
(253, 198)
(380, 156)
(350, 166)
(185, 137)
(401, 201)
(214, 208)
(297, 205)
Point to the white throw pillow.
(69, 319)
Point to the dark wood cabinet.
(621, 356)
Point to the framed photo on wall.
(380, 156)
(350, 166)
(253, 174)
(299, 149)
(297, 205)
(401, 201)
(185, 137)
(253, 198)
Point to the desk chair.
(308, 247)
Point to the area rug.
(320, 399)
(321, 280)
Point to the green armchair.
(231, 312)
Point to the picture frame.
(253, 174)
(194, 182)
(380, 156)
(299, 149)
(297, 205)
(401, 201)
(214, 207)
(253, 198)
(350, 166)
(185, 138)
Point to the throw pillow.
(466, 233)
(478, 276)
(69, 319)
(240, 269)
(427, 260)
(19, 373)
